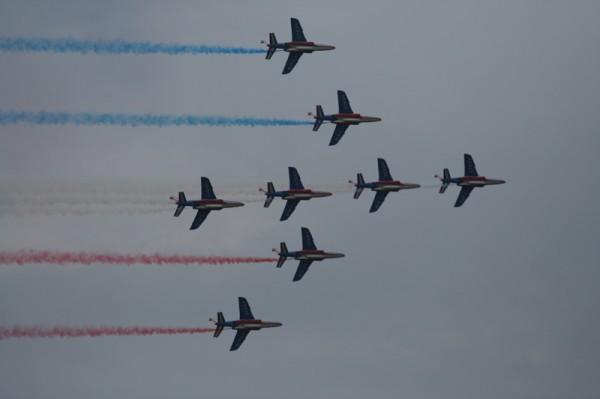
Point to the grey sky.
(496, 299)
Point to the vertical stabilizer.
(220, 321)
(270, 191)
(180, 206)
(272, 44)
(360, 181)
(445, 180)
(318, 118)
(282, 250)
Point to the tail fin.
(180, 207)
(282, 250)
(359, 182)
(318, 118)
(270, 189)
(220, 320)
(445, 180)
(272, 41)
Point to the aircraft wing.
(343, 103)
(245, 312)
(295, 182)
(378, 200)
(291, 62)
(289, 209)
(470, 166)
(338, 133)
(207, 190)
(463, 195)
(200, 216)
(384, 171)
(297, 33)
(307, 240)
(239, 339)
(302, 269)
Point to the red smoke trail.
(74, 332)
(87, 258)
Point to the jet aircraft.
(467, 182)
(306, 256)
(343, 119)
(298, 46)
(293, 196)
(383, 186)
(209, 202)
(243, 326)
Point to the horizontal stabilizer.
(179, 210)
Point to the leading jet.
(382, 187)
(243, 326)
(306, 256)
(209, 202)
(293, 196)
(343, 119)
(298, 46)
(467, 182)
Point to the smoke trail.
(75, 332)
(66, 45)
(79, 211)
(28, 256)
(107, 119)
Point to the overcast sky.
(496, 299)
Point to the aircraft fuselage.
(248, 324)
(314, 255)
(210, 204)
(299, 194)
(388, 185)
(348, 119)
(475, 181)
(305, 47)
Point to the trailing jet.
(468, 182)
(209, 202)
(343, 119)
(306, 256)
(243, 326)
(296, 47)
(293, 196)
(383, 186)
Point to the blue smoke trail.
(86, 118)
(65, 45)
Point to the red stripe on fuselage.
(299, 191)
(210, 201)
(302, 43)
(388, 183)
(347, 115)
(311, 251)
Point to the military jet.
(343, 119)
(306, 256)
(298, 46)
(209, 202)
(383, 186)
(467, 182)
(243, 326)
(293, 196)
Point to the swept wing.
(465, 191)
(378, 200)
(302, 269)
